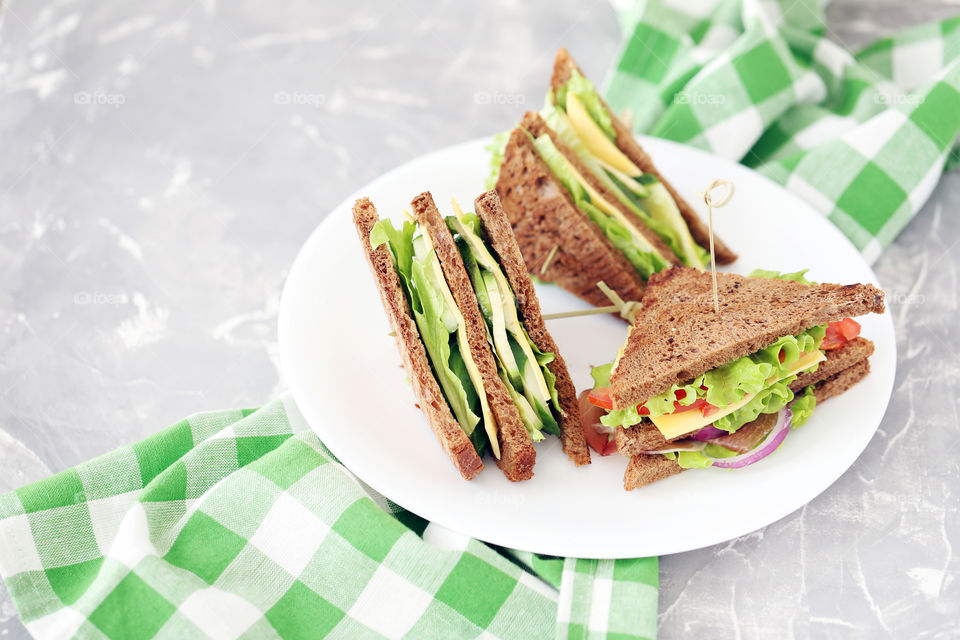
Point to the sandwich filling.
(442, 329)
(721, 401)
(577, 115)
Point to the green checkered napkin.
(240, 524)
(863, 137)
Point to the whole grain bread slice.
(505, 250)
(640, 438)
(429, 396)
(643, 470)
(837, 360)
(548, 226)
(841, 381)
(517, 454)
(537, 127)
(563, 66)
(677, 336)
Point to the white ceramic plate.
(346, 377)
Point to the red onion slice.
(709, 432)
(767, 447)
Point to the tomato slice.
(700, 403)
(840, 333)
(600, 397)
(600, 438)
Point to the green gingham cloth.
(241, 524)
(861, 136)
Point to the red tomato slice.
(840, 333)
(600, 397)
(700, 403)
(849, 328)
(600, 438)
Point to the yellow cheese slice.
(674, 425)
(604, 205)
(596, 141)
(489, 421)
(805, 362)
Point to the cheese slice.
(489, 421)
(595, 140)
(805, 362)
(674, 425)
(606, 207)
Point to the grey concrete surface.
(154, 190)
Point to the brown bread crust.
(517, 454)
(562, 68)
(543, 216)
(507, 253)
(537, 127)
(429, 396)
(677, 336)
(837, 360)
(644, 470)
(840, 382)
(640, 438)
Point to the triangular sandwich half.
(503, 247)
(693, 388)
(576, 156)
(495, 384)
(555, 221)
(626, 155)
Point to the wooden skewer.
(712, 203)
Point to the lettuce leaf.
(802, 408)
(636, 196)
(731, 382)
(727, 384)
(718, 451)
(770, 400)
(645, 262)
(520, 364)
(796, 276)
(400, 243)
(496, 148)
(587, 94)
(436, 325)
(691, 459)
(601, 375)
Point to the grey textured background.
(153, 195)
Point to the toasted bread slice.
(426, 389)
(837, 360)
(563, 66)
(841, 381)
(547, 223)
(517, 454)
(537, 127)
(640, 438)
(505, 250)
(643, 470)
(677, 336)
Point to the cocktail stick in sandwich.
(573, 177)
(692, 388)
(467, 322)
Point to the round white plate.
(346, 377)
